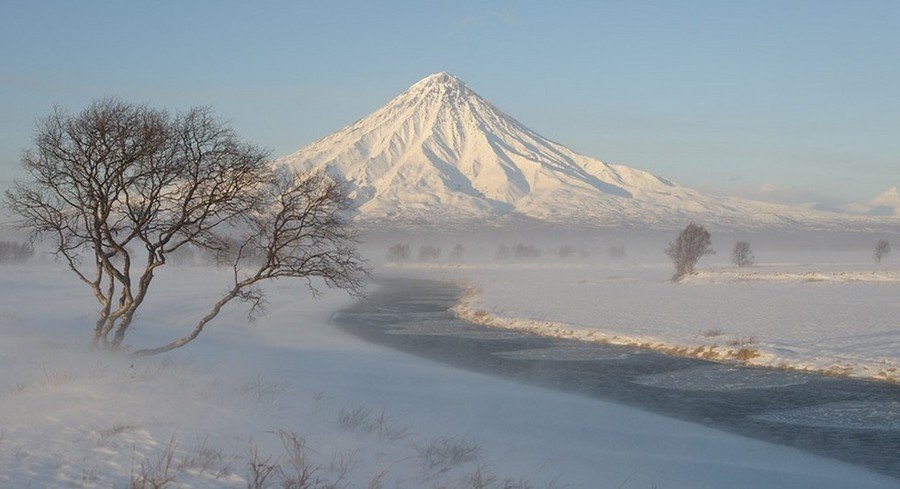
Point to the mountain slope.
(886, 204)
(440, 153)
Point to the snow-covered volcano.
(440, 153)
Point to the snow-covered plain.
(72, 417)
(829, 313)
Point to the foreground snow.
(838, 319)
(299, 393)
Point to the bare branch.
(118, 180)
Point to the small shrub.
(442, 454)
(260, 470)
(361, 420)
(297, 470)
(262, 391)
(353, 418)
(157, 474)
(113, 431)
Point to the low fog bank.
(608, 245)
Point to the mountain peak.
(439, 152)
(438, 84)
(440, 78)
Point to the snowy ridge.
(440, 153)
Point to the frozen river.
(850, 420)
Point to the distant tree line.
(401, 252)
(517, 251)
(13, 252)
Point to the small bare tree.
(882, 250)
(120, 180)
(692, 243)
(741, 255)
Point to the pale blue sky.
(724, 96)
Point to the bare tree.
(882, 250)
(691, 244)
(119, 180)
(398, 253)
(741, 255)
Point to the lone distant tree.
(691, 244)
(119, 188)
(741, 255)
(398, 253)
(882, 250)
(457, 253)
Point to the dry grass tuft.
(439, 455)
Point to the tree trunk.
(197, 329)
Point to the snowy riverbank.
(836, 319)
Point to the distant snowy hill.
(440, 154)
(886, 204)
